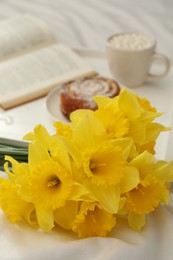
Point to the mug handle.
(165, 61)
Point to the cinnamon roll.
(78, 94)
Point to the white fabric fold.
(21, 242)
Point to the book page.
(21, 34)
(35, 74)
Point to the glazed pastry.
(78, 94)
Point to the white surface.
(87, 24)
(20, 242)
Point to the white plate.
(53, 106)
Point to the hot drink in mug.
(130, 56)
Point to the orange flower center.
(53, 182)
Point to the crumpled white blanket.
(20, 242)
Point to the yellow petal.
(29, 136)
(18, 169)
(108, 198)
(122, 207)
(59, 152)
(30, 215)
(103, 101)
(153, 131)
(130, 179)
(65, 216)
(145, 104)
(45, 218)
(129, 104)
(78, 114)
(164, 171)
(144, 163)
(40, 134)
(125, 144)
(78, 192)
(88, 132)
(74, 152)
(147, 116)
(137, 131)
(133, 151)
(148, 146)
(37, 153)
(136, 221)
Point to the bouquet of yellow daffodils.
(93, 171)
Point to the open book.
(32, 62)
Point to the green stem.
(17, 150)
(7, 151)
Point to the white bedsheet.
(87, 24)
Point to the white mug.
(130, 56)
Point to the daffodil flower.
(151, 190)
(118, 130)
(14, 207)
(63, 129)
(93, 220)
